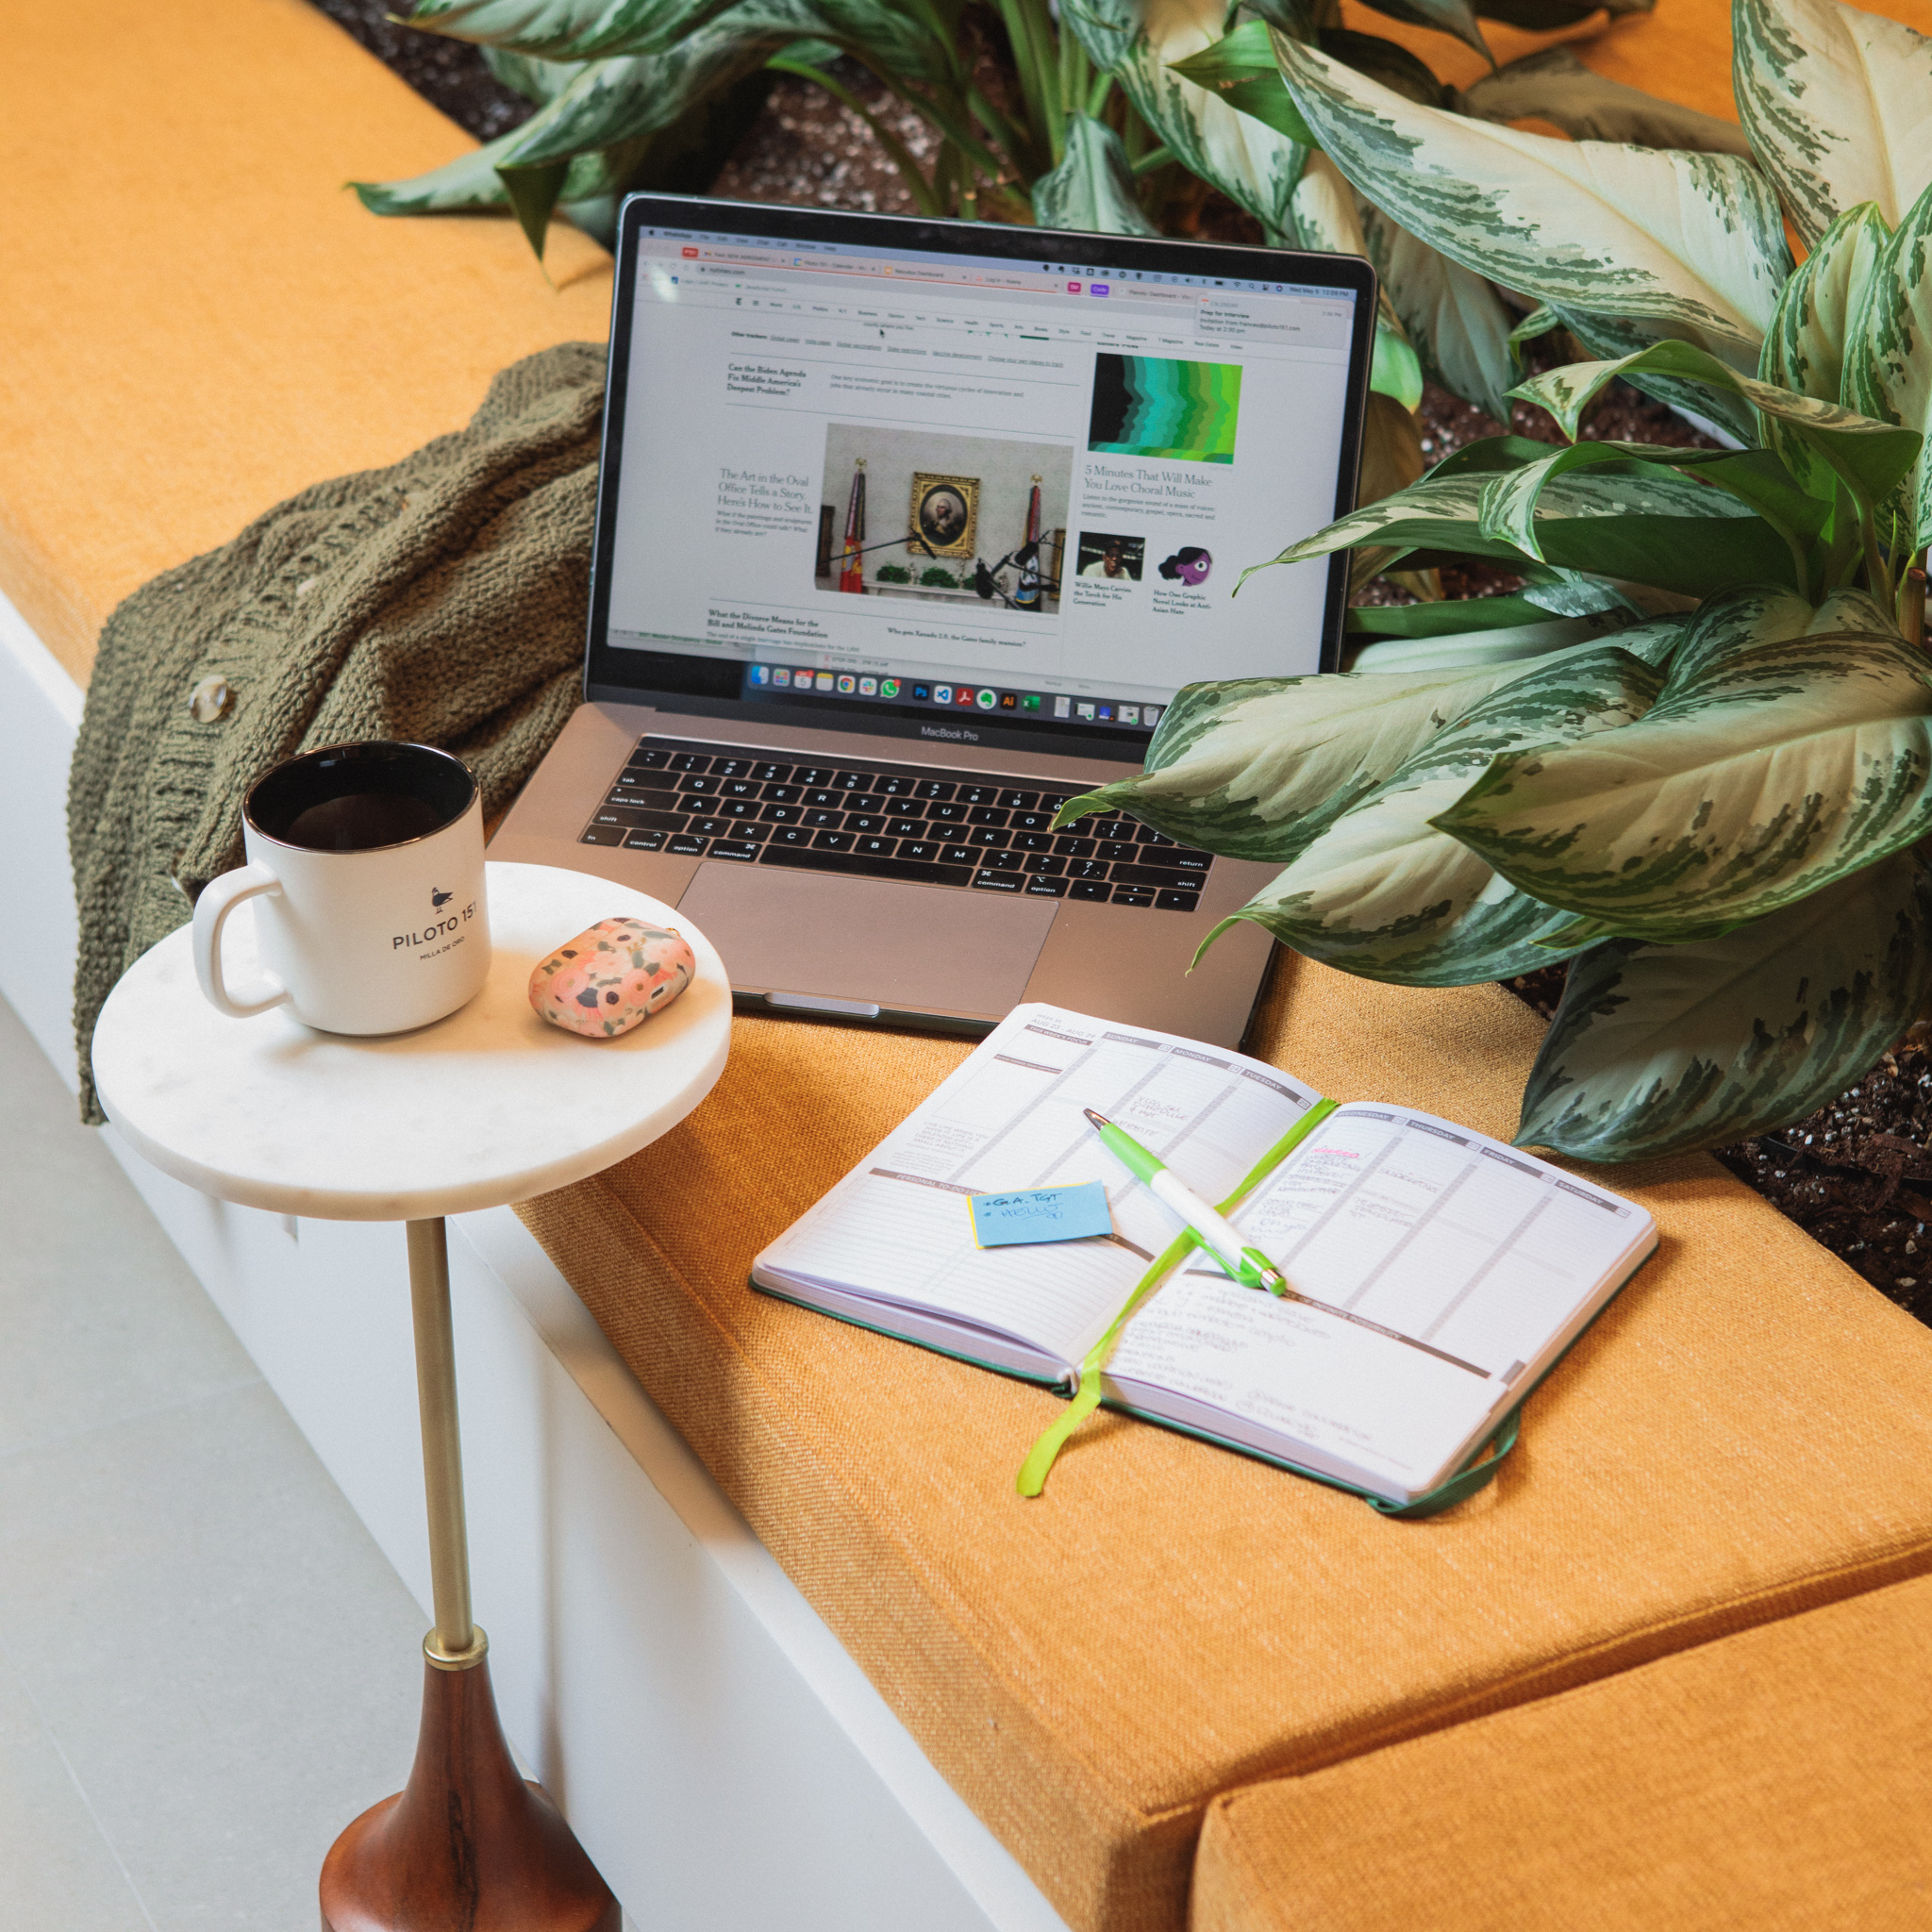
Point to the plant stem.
(1154, 158)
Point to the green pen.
(1249, 1266)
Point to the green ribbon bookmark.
(1041, 1457)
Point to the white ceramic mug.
(365, 865)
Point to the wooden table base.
(467, 1846)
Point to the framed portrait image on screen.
(944, 514)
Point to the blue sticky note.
(1041, 1214)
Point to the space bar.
(911, 870)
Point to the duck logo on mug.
(344, 845)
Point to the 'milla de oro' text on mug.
(365, 865)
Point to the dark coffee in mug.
(361, 797)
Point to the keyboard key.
(694, 782)
(687, 847)
(734, 849)
(959, 855)
(739, 788)
(906, 828)
(601, 834)
(1046, 864)
(772, 774)
(946, 812)
(740, 808)
(782, 814)
(989, 837)
(1153, 877)
(650, 760)
(644, 842)
(832, 841)
(823, 796)
(978, 795)
(791, 834)
(869, 802)
(891, 786)
(1131, 895)
(1086, 868)
(1184, 857)
(1031, 841)
(899, 868)
(749, 832)
(690, 761)
(810, 776)
(730, 768)
(825, 821)
(987, 815)
(1109, 828)
(711, 828)
(783, 794)
(1116, 848)
(875, 848)
(1018, 801)
(651, 796)
(1070, 847)
(1037, 888)
(933, 787)
(923, 850)
(1000, 881)
(1090, 889)
(629, 818)
(1032, 821)
(1004, 862)
(868, 823)
(852, 781)
(1148, 835)
(1176, 901)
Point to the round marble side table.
(489, 1106)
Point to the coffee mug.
(365, 864)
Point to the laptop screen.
(963, 476)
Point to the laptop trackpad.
(905, 946)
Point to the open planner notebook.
(1434, 1273)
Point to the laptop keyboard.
(916, 823)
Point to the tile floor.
(207, 1667)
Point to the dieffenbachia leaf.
(1256, 767)
(568, 30)
(1382, 893)
(1788, 748)
(1456, 321)
(1838, 104)
(1755, 477)
(1888, 356)
(1141, 42)
(1805, 347)
(1661, 1049)
(1094, 186)
(1553, 85)
(1870, 455)
(536, 80)
(1648, 527)
(1240, 67)
(1549, 16)
(1686, 245)
(472, 182)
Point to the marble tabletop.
(488, 1106)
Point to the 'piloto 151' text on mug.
(441, 928)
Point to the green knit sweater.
(440, 600)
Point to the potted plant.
(1715, 814)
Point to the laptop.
(909, 532)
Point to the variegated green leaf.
(1661, 1049)
(1553, 85)
(1651, 527)
(470, 181)
(1689, 245)
(1249, 160)
(1094, 186)
(1255, 768)
(1474, 650)
(1805, 348)
(1788, 748)
(1384, 894)
(1889, 358)
(1838, 104)
(1457, 17)
(568, 30)
(1240, 68)
(1388, 61)
(536, 80)
(1456, 321)
(1870, 455)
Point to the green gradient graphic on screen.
(1151, 406)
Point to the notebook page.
(1432, 1267)
(897, 1228)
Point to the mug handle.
(219, 898)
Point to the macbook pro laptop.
(909, 532)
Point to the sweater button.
(210, 700)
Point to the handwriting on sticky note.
(1041, 1214)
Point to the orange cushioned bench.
(198, 320)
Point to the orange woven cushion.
(1778, 1781)
(199, 319)
(1747, 1432)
